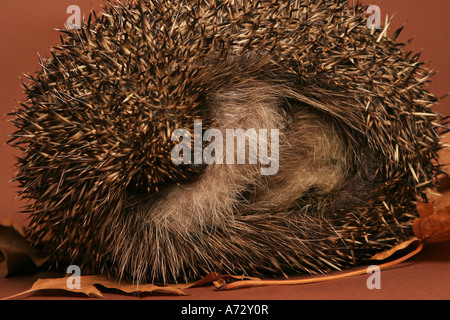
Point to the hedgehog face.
(356, 140)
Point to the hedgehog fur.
(358, 140)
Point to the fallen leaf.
(58, 284)
(440, 197)
(88, 287)
(322, 278)
(131, 288)
(213, 277)
(16, 255)
(425, 209)
(386, 254)
(207, 280)
(433, 228)
(222, 280)
(433, 224)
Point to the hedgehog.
(356, 141)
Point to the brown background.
(27, 27)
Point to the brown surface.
(27, 28)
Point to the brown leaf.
(350, 273)
(16, 255)
(222, 280)
(441, 195)
(435, 227)
(425, 209)
(88, 287)
(132, 288)
(386, 254)
(207, 280)
(58, 284)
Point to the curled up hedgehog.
(129, 166)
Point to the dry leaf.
(425, 209)
(132, 288)
(207, 280)
(212, 278)
(89, 284)
(88, 287)
(59, 284)
(386, 254)
(433, 228)
(259, 282)
(16, 255)
(433, 225)
(222, 280)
